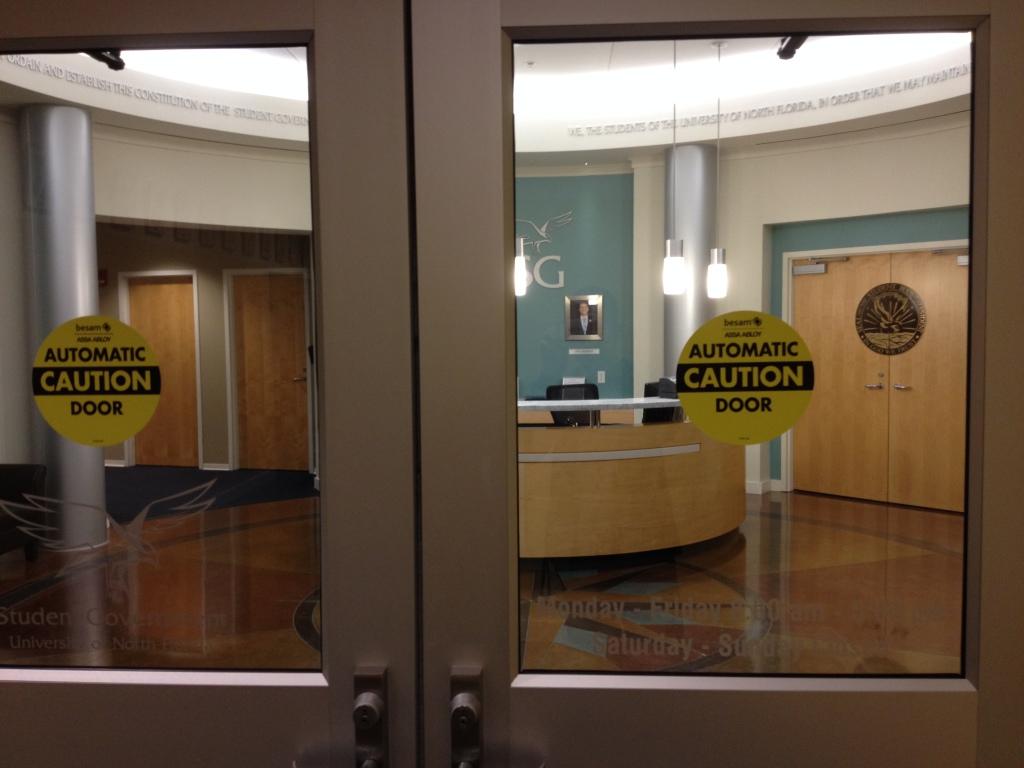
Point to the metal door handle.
(370, 715)
(874, 386)
(465, 711)
(901, 387)
(368, 710)
(298, 378)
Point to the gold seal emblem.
(890, 318)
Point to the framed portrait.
(584, 317)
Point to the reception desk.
(624, 488)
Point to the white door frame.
(229, 352)
(788, 258)
(124, 314)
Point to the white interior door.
(468, 386)
(206, 631)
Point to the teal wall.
(884, 229)
(596, 255)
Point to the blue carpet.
(129, 489)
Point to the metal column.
(690, 193)
(60, 244)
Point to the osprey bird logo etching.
(37, 517)
(542, 235)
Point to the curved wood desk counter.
(624, 488)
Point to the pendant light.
(673, 268)
(718, 273)
(520, 276)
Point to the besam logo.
(752, 321)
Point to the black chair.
(15, 481)
(532, 424)
(573, 392)
(662, 388)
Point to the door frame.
(229, 354)
(124, 315)
(788, 258)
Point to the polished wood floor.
(234, 588)
(808, 585)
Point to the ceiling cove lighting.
(673, 268)
(718, 273)
(589, 93)
(276, 72)
(520, 275)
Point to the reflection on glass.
(195, 542)
(646, 546)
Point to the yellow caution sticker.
(745, 377)
(96, 381)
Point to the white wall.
(146, 176)
(924, 164)
(155, 177)
(648, 253)
(16, 407)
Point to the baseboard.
(757, 487)
(216, 467)
(113, 462)
(778, 485)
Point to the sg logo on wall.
(535, 238)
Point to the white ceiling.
(578, 78)
(278, 72)
(576, 58)
(569, 97)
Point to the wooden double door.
(886, 427)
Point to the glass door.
(194, 506)
(413, 435)
(633, 591)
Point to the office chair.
(661, 388)
(573, 392)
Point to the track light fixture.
(109, 56)
(789, 45)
